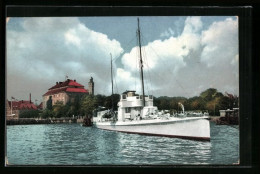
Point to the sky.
(183, 55)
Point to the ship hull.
(185, 128)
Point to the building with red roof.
(64, 92)
(14, 108)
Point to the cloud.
(192, 25)
(45, 50)
(220, 42)
(167, 33)
(48, 49)
(71, 37)
(187, 64)
(165, 58)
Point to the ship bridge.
(131, 105)
(130, 99)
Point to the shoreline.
(28, 121)
(213, 118)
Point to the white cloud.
(126, 80)
(165, 58)
(192, 25)
(47, 49)
(221, 42)
(167, 33)
(71, 37)
(191, 62)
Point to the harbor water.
(72, 144)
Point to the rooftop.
(66, 86)
(19, 105)
(68, 82)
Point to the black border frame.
(248, 72)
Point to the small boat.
(87, 122)
(136, 114)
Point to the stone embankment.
(22, 121)
(225, 120)
(214, 118)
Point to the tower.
(91, 86)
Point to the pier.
(227, 117)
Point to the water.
(72, 144)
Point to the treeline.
(209, 100)
(81, 106)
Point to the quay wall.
(24, 121)
(214, 118)
(224, 120)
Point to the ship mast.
(141, 61)
(112, 81)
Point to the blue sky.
(183, 55)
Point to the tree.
(187, 104)
(116, 99)
(211, 107)
(208, 94)
(29, 114)
(47, 114)
(88, 104)
(164, 104)
(58, 109)
(74, 107)
(49, 103)
(173, 104)
(100, 99)
(197, 103)
(232, 100)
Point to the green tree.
(58, 109)
(49, 103)
(88, 104)
(173, 104)
(196, 103)
(47, 114)
(29, 114)
(209, 94)
(187, 105)
(74, 107)
(164, 104)
(156, 101)
(116, 99)
(100, 99)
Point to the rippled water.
(72, 144)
